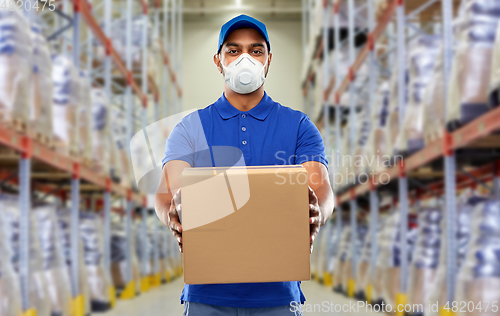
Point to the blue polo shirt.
(221, 135)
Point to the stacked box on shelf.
(64, 218)
(16, 68)
(494, 88)
(55, 270)
(66, 102)
(9, 280)
(471, 71)
(432, 109)
(121, 166)
(85, 120)
(465, 205)
(41, 88)
(392, 128)
(479, 277)
(426, 256)
(377, 141)
(421, 59)
(361, 162)
(38, 294)
(100, 132)
(120, 44)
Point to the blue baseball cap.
(242, 21)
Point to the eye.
(232, 51)
(257, 52)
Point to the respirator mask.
(245, 75)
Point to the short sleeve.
(310, 146)
(179, 145)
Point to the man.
(265, 133)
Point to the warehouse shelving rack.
(471, 135)
(34, 155)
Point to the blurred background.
(404, 92)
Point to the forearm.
(162, 206)
(325, 202)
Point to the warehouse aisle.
(164, 301)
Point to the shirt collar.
(260, 111)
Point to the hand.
(173, 218)
(315, 217)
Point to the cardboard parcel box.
(245, 224)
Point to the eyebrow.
(238, 45)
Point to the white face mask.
(245, 74)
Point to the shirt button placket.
(243, 135)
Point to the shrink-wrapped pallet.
(100, 132)
(85, 118)
(170, 251)
(432, 111)
(333, 249)
(361, 162)
(393, 128)
(494, 89)
(16, 68)
(323, 270)
(120, 43)
(119, 269)
(426, 256)
(479, 277)
(92, 234)
(143, 248)
(66, 101)
(376, 144)
(390, 252)
(10, 293)
(118, 131)
(364, 264)
(38, 294)
(41, 88)
(347, 272)
(346, 175)
(162, 253)
(156, 256)
(54, 266)
(65, 226)
(314, 256)
(465, 206)
(421, 59)
(340, 262)
(471, 70)
(317, 256)
(375, 279)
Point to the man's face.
(241, 41)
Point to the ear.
(269, 62)
(217, 62)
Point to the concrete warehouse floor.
(164, 301)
